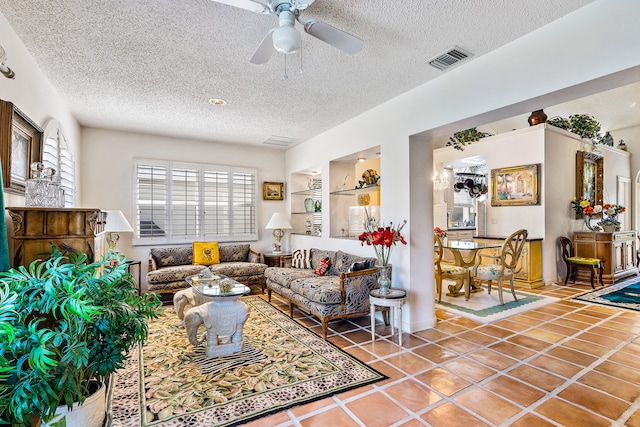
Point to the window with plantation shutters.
(55, 154)
(182, 202)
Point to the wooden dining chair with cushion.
(502, 266)
(575, 263)
(445, 270)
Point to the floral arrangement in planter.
(440, 232)
(383, 239)
(583, 207)
(611, 222)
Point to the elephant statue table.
(223, 317)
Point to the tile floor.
(565, 364)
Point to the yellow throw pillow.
(206, 253)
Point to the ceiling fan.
(285, 38)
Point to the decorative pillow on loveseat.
(206, 253)
(301, 258)
(346, 262)
(323, 266)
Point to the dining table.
(465, 255)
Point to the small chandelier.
(440, 182)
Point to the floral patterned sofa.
(168, 267)
(342, 292)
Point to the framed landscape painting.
(516, 186)
(273, 191)
(20, 145)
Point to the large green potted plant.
(584, 125)
(74, 324)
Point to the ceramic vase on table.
(384, 280)
(587, 222)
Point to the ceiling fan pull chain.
(285, 76)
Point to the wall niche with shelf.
(306, 203)
(354, 187)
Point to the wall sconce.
(6, 71)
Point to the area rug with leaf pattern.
(624, 294)
(486, 308)
(169, 383)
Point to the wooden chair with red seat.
(575, 263)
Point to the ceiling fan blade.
(265, 50)
(337, 38)
(301, 4)
(251, 5)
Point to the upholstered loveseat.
(168, 267)
(342, 292)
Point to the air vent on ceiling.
(449, 58)
(281, 141)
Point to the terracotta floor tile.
(381, 347)
(449, 328)
(359, 336)
(494, 331)
(492, 359)
(339, 341)
(413, 395)
(302, 410)
(529, 342)
(409, 363)
(610, 407)
(537, 315)
(603, 340)
(443, 381)
(376, 410)
(413, 423)
(627, 359)
(570, 323)
(435, 353)
(608, 332)
(408, 340)
(336, 417)
(388, 370)
(594, 312)
(360, 354)
(559, 329)
(571, 355)
(466, 323)
(477, 338)
(525, 319)
(431, 335)
(633, 347)
(619, 371)
(530, 420)
(614, 386)
(613, 324)
(512, 326)
(555, 366)
(487, 405)
(536, 377)
(451, 415)
(514, 390)
(458, 345)
(569, 415)
(580, 317)
(634, 420)
(545, 335)
(587, 347)
(512, 350)
(469, 369)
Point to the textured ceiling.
(152, 65)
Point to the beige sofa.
(343, 292)
(168, 267)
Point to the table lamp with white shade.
(278, 223)
(115, 223)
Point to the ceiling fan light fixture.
(217, 101)
(286, 39)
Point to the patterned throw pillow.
(301, 258)
(206, 253)
(322, 267)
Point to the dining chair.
(575, 262)
(445, 270)
(502, 266)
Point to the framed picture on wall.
(20, 145)
(273, 191)
(516, 186)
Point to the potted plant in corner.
(73, 324)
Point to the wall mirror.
(589, 178)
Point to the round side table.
(395, 299)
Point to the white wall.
(33, 94)
(603, 54)
(107, 176)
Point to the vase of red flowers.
(383, 239)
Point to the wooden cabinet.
(35, 229)
(529, 268)
(461, 235)
(617, 250)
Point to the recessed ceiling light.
(217, 101)
(361, 159)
